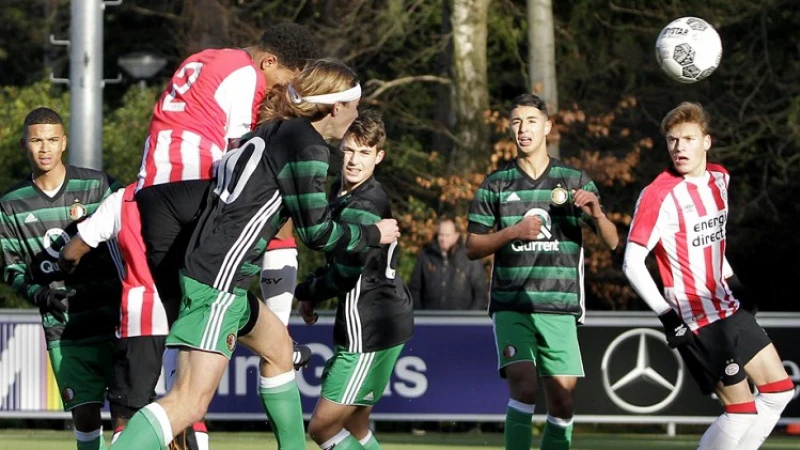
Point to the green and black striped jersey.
(34, 227)
(544, 275)
(279, 171)
(375, 310)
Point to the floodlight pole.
(86, 83)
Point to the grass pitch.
(63, 440)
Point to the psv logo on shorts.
(231, 342)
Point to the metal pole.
(86, 84)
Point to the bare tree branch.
(653, 14)
(383, 86)
(152, 13)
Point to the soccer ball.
(688, 49)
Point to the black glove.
(53, 301)
(676, 330)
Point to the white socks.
(729, 428)
(771, 400)
(278, 280)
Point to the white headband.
(354, 93)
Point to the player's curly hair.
(368, 129)
(686, 112)
(293, 44)
(42, 116)
(323, 76)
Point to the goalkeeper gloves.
(53, 301)
(676, 330)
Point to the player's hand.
(306, 311)
(389, 230)
(588, 203)
(676, 330)
(528, 228)
(53, 301)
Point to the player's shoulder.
(661, 186)
(16, 191)
(717, 171)
(298, 133)
(505, 170)
(223, 60)
(85, 173)
(574, 177)
(373, 196)
(563, 168)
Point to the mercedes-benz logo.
(642, 370)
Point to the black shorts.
(135, 370)
(722, 349)
(169, 214)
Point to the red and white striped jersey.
(684, 220)
(141, 310)
(214, 96)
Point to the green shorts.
(209, 319)
(358, 378)
(548, 340)
(82, 372)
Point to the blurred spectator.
(444, 278)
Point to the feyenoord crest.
(559, 195)
(509, 351)
(68, 394)
(231, 342)
(76, 211)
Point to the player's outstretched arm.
(72, 253)
(344, 269)
(482, 245)
(302, 185)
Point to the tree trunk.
(444, 115)
(470, 85)
(542, 61)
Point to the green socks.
(148, 428)
(519, 428)
(91, 440)
(557, 434)
(281, 401)
(369, 442)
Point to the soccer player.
(278, 171)
(79, 310)
(374, 318)
(682, 214)
(143, 326)
(211, 101)
(536, 205)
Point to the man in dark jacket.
(444, 278)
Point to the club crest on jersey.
(559, 195)
(230, 341)
(76, 211)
